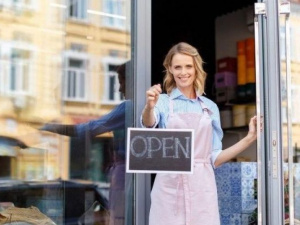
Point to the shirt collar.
(176, 93)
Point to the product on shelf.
(250, 60)
(250, 112)
(241, 69)
(246, 69)
(225, 84)
(239, 115)
(225, 94)
(225, 79)
(226, 117)
(250, 68)
(227, 64)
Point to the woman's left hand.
(252, 133)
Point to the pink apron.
(188, 199)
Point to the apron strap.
(205, 108)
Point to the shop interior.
(214, 28)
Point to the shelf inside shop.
(241, 128)
(239, 102)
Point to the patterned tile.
(247, 186)
(236, 205)
(249, 170)
(225, 205)
(235, 184)
(235, 219)
(245, 219)
(248, 205)
(235, 170)
(225, 219)
(224, 188)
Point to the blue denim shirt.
(114, 121)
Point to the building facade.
(60, 64)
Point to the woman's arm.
(109, 122)
(229, 153)
(152, 95)
(63, 129)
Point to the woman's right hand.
(152, 95)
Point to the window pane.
(13, 77)
(115, 10)
(111, 88)
(62, 115)
(82, 85)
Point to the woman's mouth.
(184, 78)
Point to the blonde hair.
(186, 49)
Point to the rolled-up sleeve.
(217, 134)
(156, 117)
(161, 104)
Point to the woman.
(189, 199)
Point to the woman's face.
(122, 84)
(183, 70)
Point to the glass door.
(290, 93)
(65, 103)
(277, 69)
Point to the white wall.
(231, 28)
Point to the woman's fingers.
(253, 123)
(155, 90)
(152, 95)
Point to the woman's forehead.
(179, 58)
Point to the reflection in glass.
(294, 114)
(60, 64)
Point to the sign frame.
(158, 130)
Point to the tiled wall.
(235, 183)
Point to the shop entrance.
(212, 33)
(216, 29)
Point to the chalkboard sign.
(160, 150)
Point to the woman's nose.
(183, 71)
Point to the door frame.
(268, 87)
(269, 145)
(141, 42)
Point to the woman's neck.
(189, 93)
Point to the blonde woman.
(178, 199)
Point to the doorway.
(186, 21)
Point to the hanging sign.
(160, 150)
